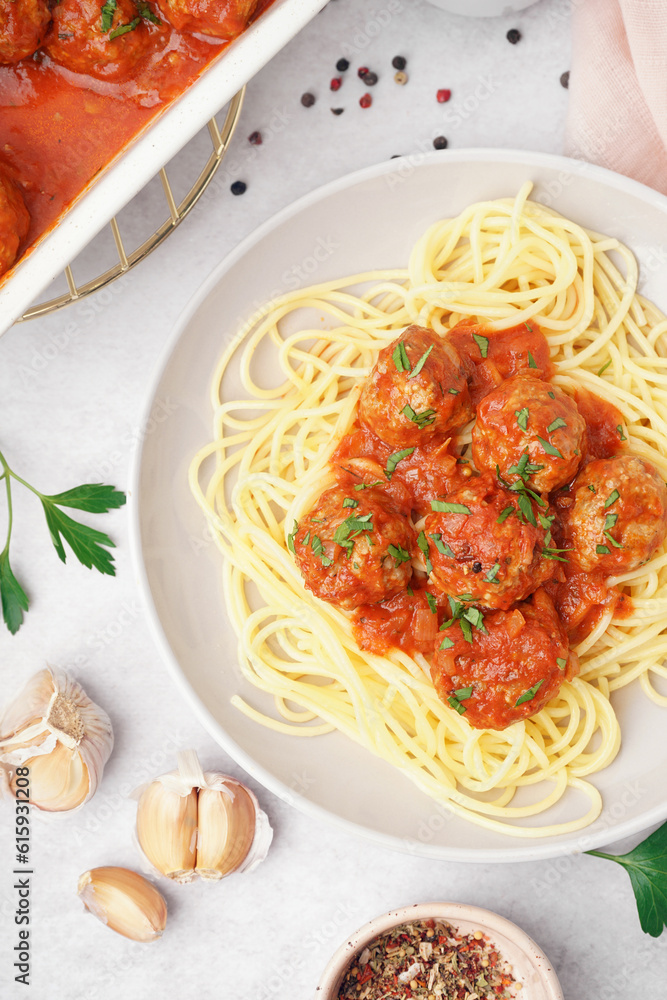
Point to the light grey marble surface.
(72, 389)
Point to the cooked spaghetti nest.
(500, 263)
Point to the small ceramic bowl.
(530, 966)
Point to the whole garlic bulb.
(193, 824)
(124, 901)
(65, 739)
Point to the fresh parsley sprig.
(88, 545)
(647, 867)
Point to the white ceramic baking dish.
(148, 152)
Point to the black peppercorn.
(565, 79)
(307, 100)
(477, 567)
(513, 36)
(342, 65)
(398, 62)
(238, 187)
(440, 142)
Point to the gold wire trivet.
(220, 138)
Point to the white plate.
(367, 220)
(146, 155)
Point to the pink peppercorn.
(443, 96)
(366, 101)
(336, 83)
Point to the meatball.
(14, 219)
(218, 18)
(619, 516)
(416, 390)
(87, 37)
(354, 548)
(526, 416)
(512, 666)
(23, 24)
(480, 544)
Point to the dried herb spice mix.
(429, 959)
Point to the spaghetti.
(500, 263)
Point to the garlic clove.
(50, 716)
(167, 830)
(124, 901)
(226, 830)
(59, 781)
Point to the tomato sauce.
(410, 620)
(60, 129)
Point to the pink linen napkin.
(618, 88)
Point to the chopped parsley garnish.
(602, 550)
(146, 12)
(462, 694)
(442, 547)
(399, 554)
(562, 663)
(504, 514)
(446, 643)
(422, 419)
(620, 432)
(291, 537)
(524, 468)
(531, 361)
(482, 343)
(306, 538)
(108, 11)
(420, 364)
(423, 546)
(394, 459)
(558, 422)
(551, 395)
(367, 486)
(454, 392)
(522, 418)
(593, 490)
(527, 509)
(550, 552)
(610, 520)
(318, 550)
(612, 498)
(349, 529)
(467, 618)
(529, 328)
(617, 545)
(445, 507)
(400, 357)
(430, 599)
(549, 448)
(529, 694)
(124, 28)
(349, 502)
(492, 574)
(604, 367)
(411, 592)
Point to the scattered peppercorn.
(565, 79)
(443, 96)
(513, 36)
(336, 83)
(361, 72)
(370, 79)
(342, 65)
(440, 142)
(401, 78)
(255, 138)
(398, 62)
(477, 567)
(337, 111)
(307, 100)
(366, 101)
(238, 187)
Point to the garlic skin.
(54, 728)
(124, 901)
(232, 833)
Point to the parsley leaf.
(445, 507)
(420, 364)
(399, 554)
(394, 459)
(124, 28)
(562, 663)
(522, 418)
(461, 694)
(604, 367)
(492, 574)
(430, 599)
(531, 361)
(612, 498)
(400, 357)
(558, 422)
(108, 11)
(422, 419)
(146, 12)
(446, 643)
(349, 502)
(442, 547)
(549, 448)
(482, 343)
(423, 546)
(88, 545)
(622, 436)
(647, 867)
(529, 694)
(291, 537)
